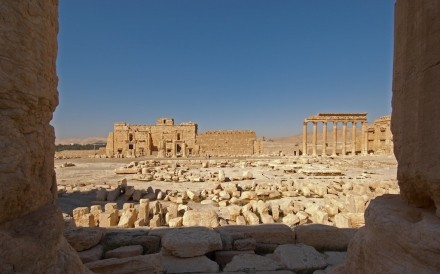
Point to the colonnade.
(334, 146)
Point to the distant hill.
(81, 141)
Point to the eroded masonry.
(364, 138)
(167, 139)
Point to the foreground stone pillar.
(344, 138)
(31, 227)
(315, 138)
(305, 138)
(399, 236)
(416, 86)
(353, 138)
(335, 137)
(324, 139)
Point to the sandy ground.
(90, 173)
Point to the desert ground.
(78, 184)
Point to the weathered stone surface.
(252, 262)
(110, 217)
(35, 244)
(91, 255)
(300, 257)
(187, 265)
(265, 233)
(115, 239)
(245, 244)
(128, 218)
(415, 86)
(409, 239)
(83, 238)
(323, 237)
(206, 218)
(334, 258)
(176, 222)
(28, 96)
(139, 264)
(191, 242)
(124, 251)
(223, 257)
(31, 230)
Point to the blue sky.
(229, 64)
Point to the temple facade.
(167, 139)
(350, 134)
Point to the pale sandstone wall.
(416, 100)
(380, 137)
(31, 228)
(227, 142)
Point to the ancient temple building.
(350, 134)
(352, 119)
(163, 139)
(380, 138)
(166, 139)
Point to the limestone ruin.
(165, 139)
(375, 138)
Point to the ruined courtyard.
(299, 197)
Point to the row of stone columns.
(335, 138)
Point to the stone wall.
(31, 227)
(227, 142)
(380, 137)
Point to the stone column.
(31, 226)
(173, 150)
(344, 138)
(305, 138)
(353, 138)
(324, 138)
(364, 138)
(184, 155)
(335, 137)
(315, 138)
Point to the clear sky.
(224, 64)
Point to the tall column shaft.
(353, 138)
(344, 138)
(305, 138)
(364, 139)
(335, 137)
(315, 138)
(324, 138)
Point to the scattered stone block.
(206, 218)
(125, 251)
(223, 257)
(92, 254)
(83, 238)
(191, 242)
(252, 262)
(324, 237)
(145, 263)
(300, 257)
(199, 264)
(128, 217)
(245, 244)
